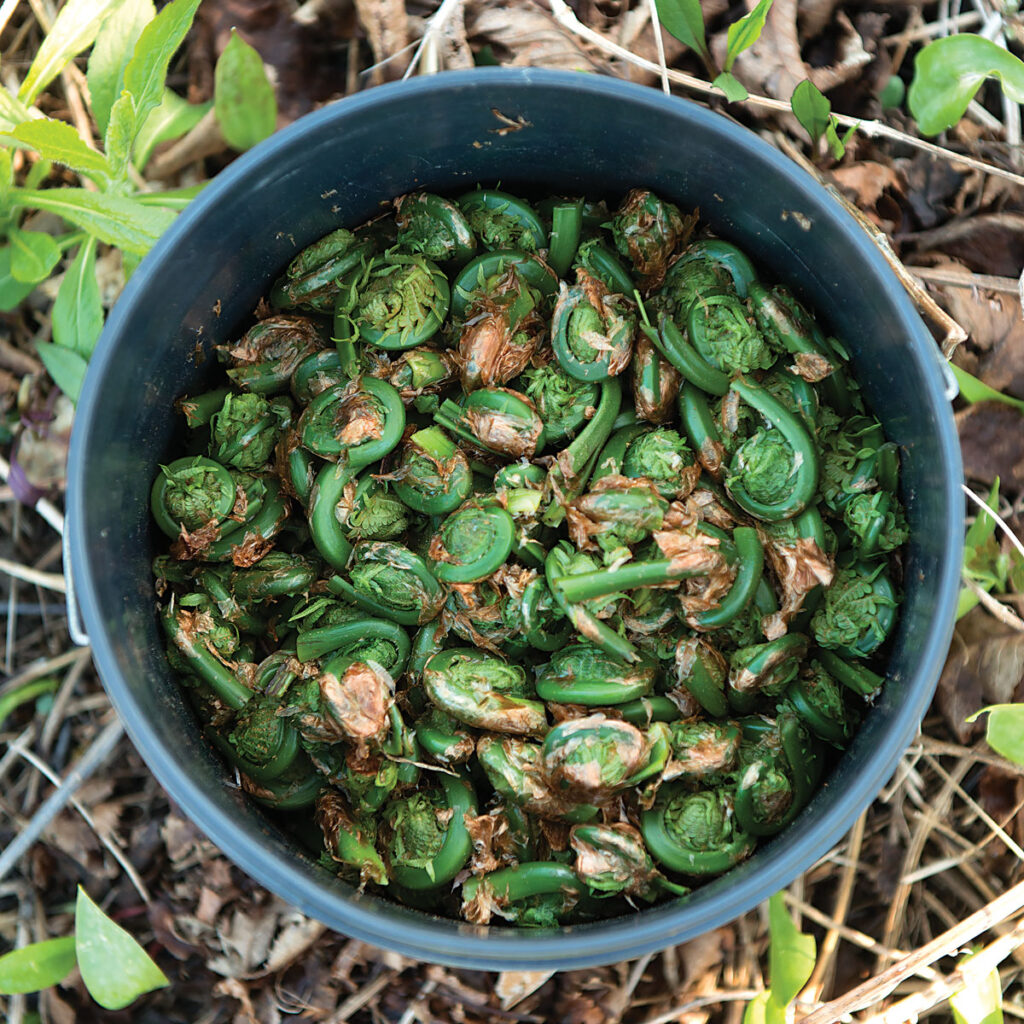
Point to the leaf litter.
(234, 952)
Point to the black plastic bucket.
(523, 128)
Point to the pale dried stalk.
(564, 15)
(964, 976)
(996, 608)
(46, 580)
(878, 987)
(45, 508)
(652, 9)
(980, 502)
(987, 282)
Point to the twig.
(877, 988)
(6, 10)
(965, 975)
(359, 999)
(58, 711)
(41, 766)
(45, 508)
(989, 282)
(40, 668)
(99, 750)
(1005, 615)
(659, 43)
(435, 23)
(47, 580)
(933, 28)
(712, 999)
(564, 15)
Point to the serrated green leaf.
(146, 72)
(791, 954)
(60, 143)
(243, 97)
(735, 91)
(78, 309)
(1004, 730)
(34, 254)
(173, 118)
(974, 390)
(111, 54)
(67, 368)
(949, 71)
(744, 33)
(11, 291)
(116, 220)
(811, 108)
(74, 29)
(121, 131)
(115, 968)
(685, 20)
(980, 1001)
(37, 966)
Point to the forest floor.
(943, 840)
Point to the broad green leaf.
(811, 108)
(685, 20)
(60, 143)
(980, 1001)
(6, 179)
(74, 29)
(121, 131)
(37, 966)
(33, 255)
(78, 309)
(734, 90)
(791, 954)
(242, 95)
(744, 33)
(173, 118)
(115, 968)
(984, 525)
(949, 71)
(114, 46)
(67, 368)
(1005, 730)
(974, 390)
(755, 1012)
(147, 70)
(11, 290)
(116, 220)
(173, 199)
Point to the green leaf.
(685, 20)
(974, 390)
(242, 95)
(60, 143)
(173, 118)
(74, 29)
(78, 309)
(6, 179)
(791, 955)
(984, 525)
(122, 129)
(33, 255)
(67, 368)
(812, 109)
(948, 72)
(116, 220)
(111, 54)
(115, 968)
(12, 112)
(1005, 730)
(755, 1013)
(980, 1001)
(836, 146)
(12, 291)
(37, 966)
(744, 33)
(146, 72)
(174, 198)
(734, 90)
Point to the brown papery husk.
(798, 568)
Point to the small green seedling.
(813, 110)
(1004, 730)
(116, 970)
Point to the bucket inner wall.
(577, 134)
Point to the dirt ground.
(941, 843)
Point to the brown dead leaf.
(989, 243)
(876, 189)
(387, 28)
(773, 66)
(529, 37)
(990, 440)
(297, 935)
(703, 955)
(514, 986)
(245, 942)
(958, 694)
(236, 990)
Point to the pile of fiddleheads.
(534, 559)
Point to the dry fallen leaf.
(297, 935)
(990, 441)
(514, 986)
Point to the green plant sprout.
(115, 969)
(791, 958)
(132, 47)
(814, 112)
(684, 19)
